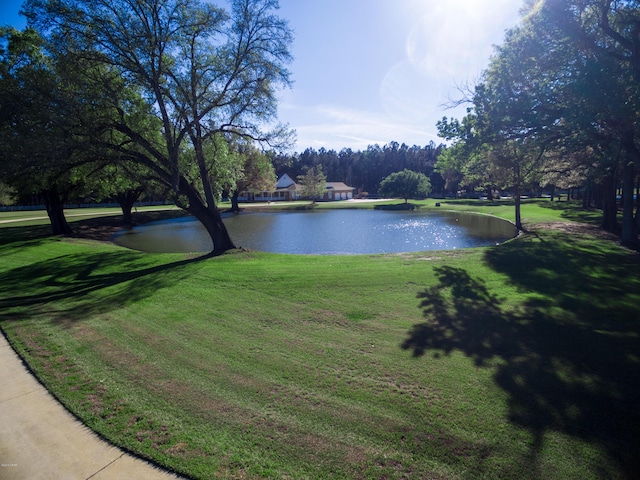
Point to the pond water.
(324, 232)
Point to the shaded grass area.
(96, 223)
(519, 361)
(570, 353)
(533, 210)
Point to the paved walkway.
(39, 439)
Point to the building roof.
(286, 183)
(338, 186)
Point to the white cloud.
(337, 127)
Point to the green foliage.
(558, 105)
(201, 72)
(35, 151)
(405, 184)
(44, 123)
(364, 169)
(7, 195)
(257, 175)
(256, 172)
(313, 183)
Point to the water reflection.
(341, 232)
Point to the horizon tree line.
(365, 169)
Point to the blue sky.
(376, 71)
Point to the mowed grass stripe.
(490, 363)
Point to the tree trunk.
(609, 204)
(638, 206)
(518, 213)
(210, 218)
(55, 210)
(587, 196)
(126, 200)
(235, 206)
(127, 218)
(629, 226)
(518, 173)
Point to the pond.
(327, 232)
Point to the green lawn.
(533, 210)
(516, 361)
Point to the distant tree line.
(364, 170)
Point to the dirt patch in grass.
(429, 256)
(574, 228)
(98, 229)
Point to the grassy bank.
(518, 361)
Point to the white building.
(287, 190)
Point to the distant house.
(288, 190)
(338, 191)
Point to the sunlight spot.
(458, 37)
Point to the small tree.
(313, 182)
(405, 184)
(258, 174)
(8, 195)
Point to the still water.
(324, 232)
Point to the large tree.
(40, 114)
(202, 70)
(510, 123)
(406, 184)
(457, 164)
(124, 182)
(606, 37)
(561, 93)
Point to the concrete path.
(39, 439)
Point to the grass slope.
(518, 361)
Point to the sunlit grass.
(519, 361)
(533, 210)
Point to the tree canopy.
(44, 121)
(200, 72)
(558, 104)
(405, 184)
(257, 173)
(313, 183)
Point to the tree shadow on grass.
(73, 287)
(573, 211)
(568, 357)
(25, 236)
